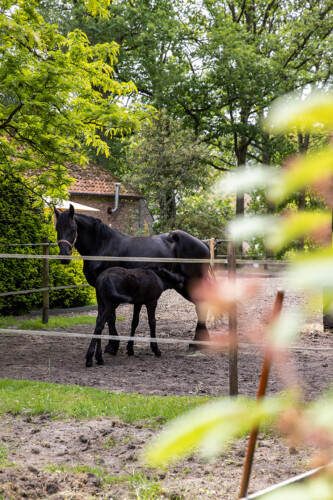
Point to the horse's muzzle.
(64, 251)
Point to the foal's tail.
(110, 293)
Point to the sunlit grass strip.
(54, 322)
(37, 398)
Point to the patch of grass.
(63, 321)
(144, 488)
(99, 472)
(110, 443)
(21, 397)
(138, 483)
(3, 457)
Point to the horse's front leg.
(151, 308)
(100, 322)
(113, 346)
(135, 322)
(201, 332)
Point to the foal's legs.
(151, 308)
(113, 345)
(100, 322)
(135, 322)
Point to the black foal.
(140, 287)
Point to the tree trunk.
(241, 151)
(303, 146)
(266, 157)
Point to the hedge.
(24, 219)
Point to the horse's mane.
(102, 231)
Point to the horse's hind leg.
(135, 322)
(151, 308)
(100, 322)
(201, 332)
(113, 345)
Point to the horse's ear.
(56, 212)
(71, 211)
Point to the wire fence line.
(268, 262)
(107, 258)
(28, 244)
(36, 290)
(46, 256)
(213, 343)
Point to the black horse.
(93, 238)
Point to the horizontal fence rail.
(287, 482)
(28, 244)
(209, 343)
(106, 258)
(142, 259)
(36, 290)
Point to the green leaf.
(242, 228)
(245, 179)
(314, 112)
(209, 428)
(322, 413)
(313, 271)
(304, 171)
(295, 225)
(285, 328)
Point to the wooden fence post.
(266, 366)
(46, 293)
(233, 340)
(212, 251)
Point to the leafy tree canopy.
(57, 94)
(171, 167)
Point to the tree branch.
(6, 121)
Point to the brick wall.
(131, 217)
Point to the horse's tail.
(211, 274)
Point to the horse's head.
(66, 232)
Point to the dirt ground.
(34, 443)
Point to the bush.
(23, 219)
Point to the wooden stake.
(261, 393)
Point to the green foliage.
(72, 274)
(168, 164)
(216, 66)
(23, 219)
(57, 95)
(204, 215)
(211, 427)
(36, 398)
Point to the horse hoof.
(111, 351)
(100, 361)
(130, 353)
(192, 348)
(89, 364)
(158, 354)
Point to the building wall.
(131, 217)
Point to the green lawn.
(21, 397)
(63, 321)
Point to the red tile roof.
(94, 179)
